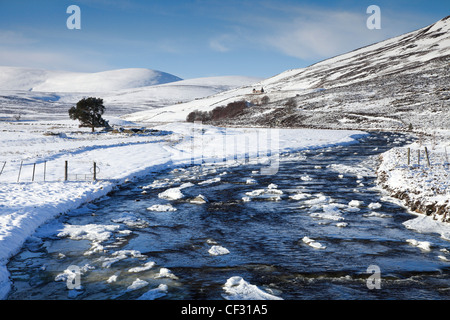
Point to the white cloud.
(235, 37)
(320, 34)
(48, 60)
(221, 43)
(28, 48)
(8, 37)
(312, 33)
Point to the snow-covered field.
(25, 205)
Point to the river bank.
(419, 176)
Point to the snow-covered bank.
(26, 205)
(423, 187)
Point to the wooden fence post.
(409, 156)
(66, 171)
(20, 170)
(428, 159)
(418, 157)
(95, 171)
(4, 164)
(446, 156)
(34, 170)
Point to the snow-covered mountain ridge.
(390, 84)
(400, 54)
(39, 80)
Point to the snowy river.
(318, 229)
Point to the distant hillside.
(397, 83)
(14, 78)
(153, 97)
(17, 99)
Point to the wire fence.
(422, 158)
(78, 170)
(43, 171)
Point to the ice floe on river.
(236, 288)
(271, 193)
(424, 245)
(92, 232)
(426, 224)
(313, 243)
(156, 293)
(218, 250)
(137, 284)
(120, 255)
(161, 208)
(131, 220)
(200, 199)
(330, 212)
(166, 273)
(147, 266)
(171, 194)
(210, 181)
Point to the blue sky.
(199, 38)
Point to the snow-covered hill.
(390, 84)
(176, 92)
(15, 78)
(42, 94)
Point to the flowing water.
(328, 195)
